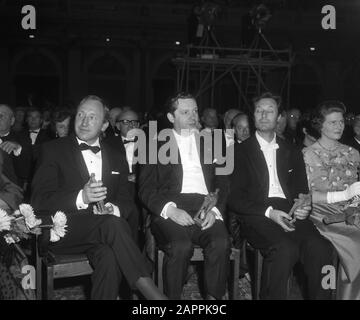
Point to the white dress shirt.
(129, 149)
(33, 135)
(193, 177)
(94, 165)
(229, 137)
(269, 151)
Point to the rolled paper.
(100, 204)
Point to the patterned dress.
(334, 171)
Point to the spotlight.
(177, 43)
(107, 39)
(260, 16)
(209, 13)
(312, 49)
(31, 36)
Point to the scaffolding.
(248, 68)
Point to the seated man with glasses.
(125, 124)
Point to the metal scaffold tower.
(202, 68)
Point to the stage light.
(177, 43)
(107, 39)
(260, 16)
(312, 48)
(31, 36)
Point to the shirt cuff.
(116, 209)
(164, 210)
(218, 215)
(267, 212)
(80, 202)
(18, 151)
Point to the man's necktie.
(84, 146)
(125, 141)
(270, 147)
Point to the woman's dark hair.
(323, 109)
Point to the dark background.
(69, 56)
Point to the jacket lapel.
(282, 161)
(258, 162)
(105, 170)
(206, 168)
(79, 160)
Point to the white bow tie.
(270, 147)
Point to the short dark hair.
(172, 102)
(96, 98)
(323, 109)
(269, 95)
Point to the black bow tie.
(125, 141)
(84, 146)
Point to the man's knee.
(286, 250)
(116, 224)
(219, 245)
(181, 249)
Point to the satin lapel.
(206, 168)
(258, 162)
(282, 160)
(105, 170)
(79, 160)
(174, 169)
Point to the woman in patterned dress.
(332, 170)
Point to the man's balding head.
(126, 121)
(7, 119)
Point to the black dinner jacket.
(162, 183)
(21, 163)
(249, 182)
(352, 143)
(62, 173)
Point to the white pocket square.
(115, 172)
(290, 170)
(215, 160)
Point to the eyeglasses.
(128, 122)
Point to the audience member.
(63, 182)
(269, 174)
(332, 170)
(174, 192)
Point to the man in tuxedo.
(174, 192)
(241, 127)
(62, 182)
(127, 123)
(228, 138)
(17, 149)
(111, 130)
(269, 173)
(35, 134)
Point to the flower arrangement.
(19, 225)
(23, 222)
